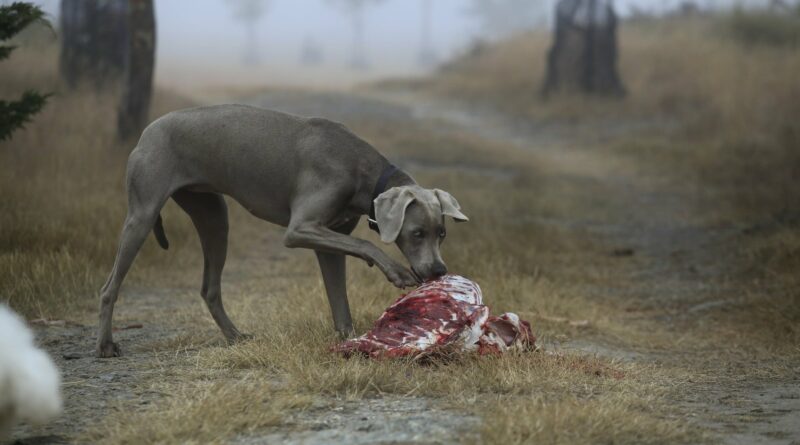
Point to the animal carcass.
(441, 316)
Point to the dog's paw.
(108, 350)
(239, 338)
(399, 275)
(346, 332)
(402, 278)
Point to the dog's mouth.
(421, 278)
(418, 275)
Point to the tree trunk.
(139, 65)
(427, 55)
(251, 55)
(93, 41)
(358, 59)
(583, 57)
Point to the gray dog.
(310, 175)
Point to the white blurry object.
(30, 383)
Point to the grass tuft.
(200, 412)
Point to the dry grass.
(63, 207)
(673, 69)
(63, 193)
(737, 106)
(200, 412)
(769, 27)
(286, 310)
(723, 125)
(727, 128)
(292, 334)
(619, 417)
(557, 398)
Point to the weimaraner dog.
(310, 175)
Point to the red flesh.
(447, 313)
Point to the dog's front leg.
(313, 235)
(334, 275)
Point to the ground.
(628, 279)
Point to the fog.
(632, 195)
(310, 43)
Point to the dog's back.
(248, 153)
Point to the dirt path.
(158, 346)
(675, 262)
(678, 274)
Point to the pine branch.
(15, 114)
(5, 51)
(16, 16)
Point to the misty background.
(632, 187)
(310, 43)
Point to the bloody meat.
(446, 314)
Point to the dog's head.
(413, 217)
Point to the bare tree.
(250, 12)
(111, 43)
(355, 9)
(139, 65)
(583, 57)
(93, 41)
(427, 54)
(779, 5)
(311, 52)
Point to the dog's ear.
(450, 206)
(390, 211)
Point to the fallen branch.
(130, 326)
(52, 322)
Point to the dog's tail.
(161, 237)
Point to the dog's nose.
(438, 270)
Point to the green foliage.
(13, 19)
(14, 114)
(769, 28)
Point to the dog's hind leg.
(138, 224)
(209, 214)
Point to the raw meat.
(441, 316)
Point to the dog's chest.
(345, 218)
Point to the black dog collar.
(380, 187)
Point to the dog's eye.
(418, 233)
(442, 233)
